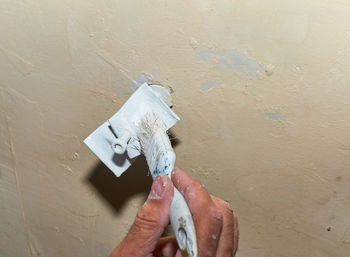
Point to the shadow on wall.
(136, 180)
(173, 139)
(116, 191)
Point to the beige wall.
(262, 88)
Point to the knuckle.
(145, 220)
(195, 184)
(228, 207)
(235, 217)
(194, 190)
(215, 215)
(228, 210)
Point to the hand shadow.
(116, 190)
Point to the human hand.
(215, 222)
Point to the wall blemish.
(277, 115)
(208, 85)
(233, 60)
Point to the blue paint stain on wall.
(233, 60)
(275, 115)
(208, 84)
(144, 78)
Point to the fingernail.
(158, 187)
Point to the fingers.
(179, 254)
(206, 216)
(235, 234)
(150, 221)
(166, 246)
(228, 241)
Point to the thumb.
(150, 220)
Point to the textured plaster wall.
(262, 88)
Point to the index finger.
(207, 217)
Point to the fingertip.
(162, 188)
(183, 181)
(178, 175)
(166, 180)
(176, 170)
(168, 184)
(166, 246)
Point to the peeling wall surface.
(262, 88)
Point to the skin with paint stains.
(67, 66)
(217, 230)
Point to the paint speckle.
(180, 31)
(154, 195)
(66, 167)
(192, 195)
(75, 156)
(233, 60)
(208, 84)
(269, 69)
(213, 237)
(275, 115)
(194, 43)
